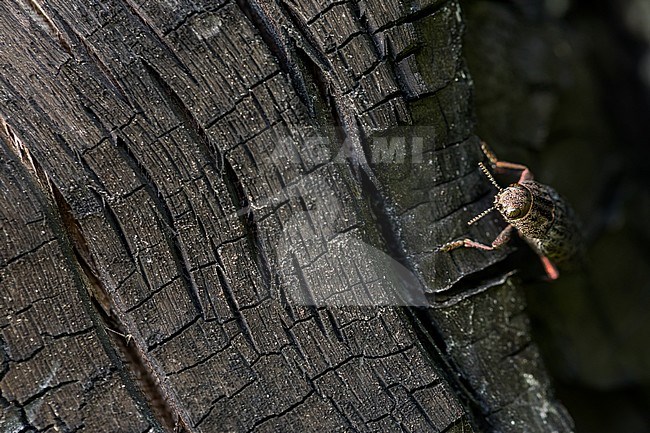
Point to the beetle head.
(513, 202)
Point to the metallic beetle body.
(538, 213)
(549, 224)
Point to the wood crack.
(175, 334)
(104, 73)
(49, 26)
(275, 38)
(163, 413)
(246, 215)
(415, 16)
(18, 257)
(14, 414)
(268, 19)
(186, 118)
(147, 379)
(171, 237)
(158, 38)
(434, 344)
(234, 307)
(44, 390)
(283, 412)
(222, 166)
(388, 227)
(310, 301)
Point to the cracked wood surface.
(198, 223)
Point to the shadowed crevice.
(47, 23)
(246, 215)
(158, 38)
(221, 165)
(142, 380)
(185, 117)
(97, 300)
(132, 355)
(276, 40)
(167, 223)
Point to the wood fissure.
(268, 19)
(309, 297)
(429, 335)
(158, 38)
(274, 37)
(167, 226)
(231, 300)
(104, 73)
(302, 37)
(186, 118)
(133, 356)
(351, 140)
(246, 216)
(50, 26)
(141, 372)
(433, 342)
(58, 215)
(416, 15)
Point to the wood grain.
(199, 236)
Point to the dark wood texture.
(199, 232)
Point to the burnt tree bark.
(208, 224)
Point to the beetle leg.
(503, 237)
(550, 268)
(464, 243)
(526, 174)
(500, 166)
(498, 242)
(452, 245)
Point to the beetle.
(536, 211)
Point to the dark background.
(563, 86)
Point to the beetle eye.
(513, 213)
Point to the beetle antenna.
(479, 216)
(489, 175)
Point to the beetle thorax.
(513, 202)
